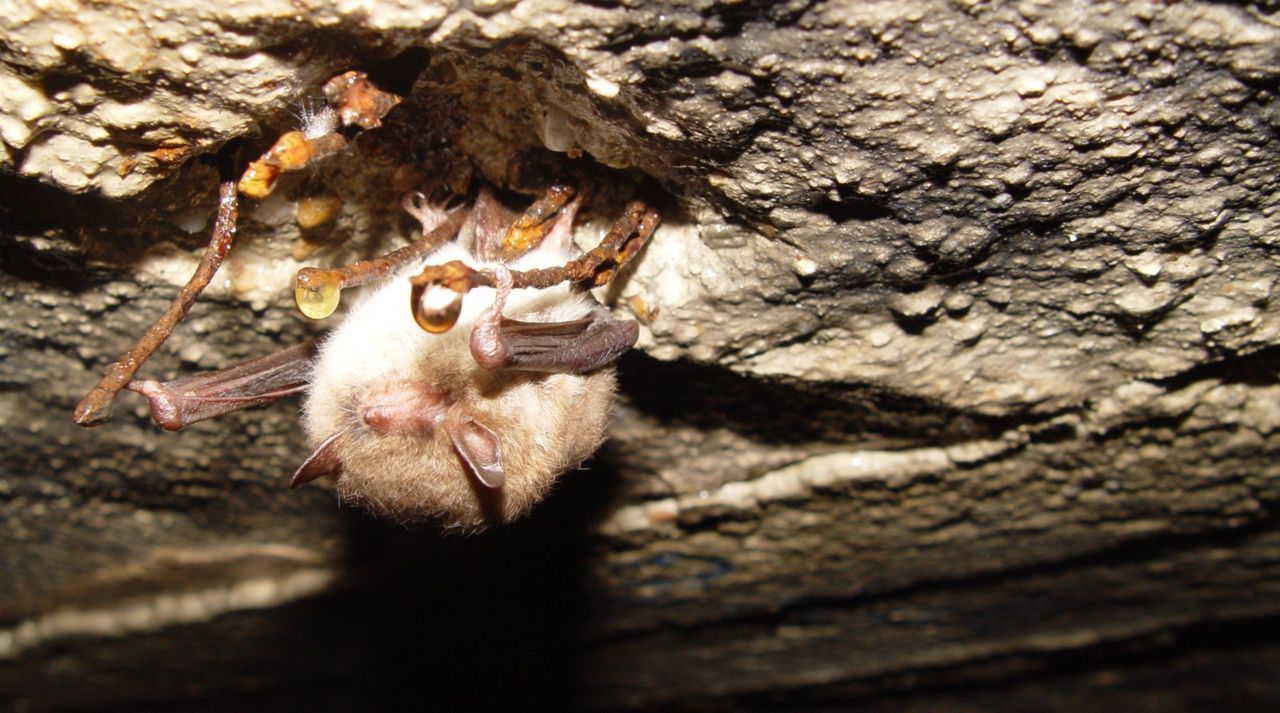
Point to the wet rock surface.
(957, 362)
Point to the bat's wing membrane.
(257, 382)
(575, 347)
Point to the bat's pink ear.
(479, 447)
(324, 461)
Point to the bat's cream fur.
(546, 423)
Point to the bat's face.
(420, 431)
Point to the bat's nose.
(381, 418)
(407, 409)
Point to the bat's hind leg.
(575, 347)
(319, 291)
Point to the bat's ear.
(324, 461)
(479, 447)
(488, 219)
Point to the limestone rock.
(958, 358)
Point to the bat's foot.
(488, 347)
(560, 237)
(531, 228)
(429, 213)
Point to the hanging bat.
(424, 406)
(421, 405)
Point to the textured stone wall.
(957, 362)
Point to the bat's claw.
(431, 214)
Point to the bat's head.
(413, 429)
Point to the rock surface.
(958, 362)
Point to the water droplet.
(435, 308)
(318, 296)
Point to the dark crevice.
(398, 74)
(705, 398)
(64, 270)
(31, 207)
(848, 206)
(1130, 552)
(1259, 368)
(1146, 423)
(995, 674)
(416, 606)
(721, 21)
(913, 325)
